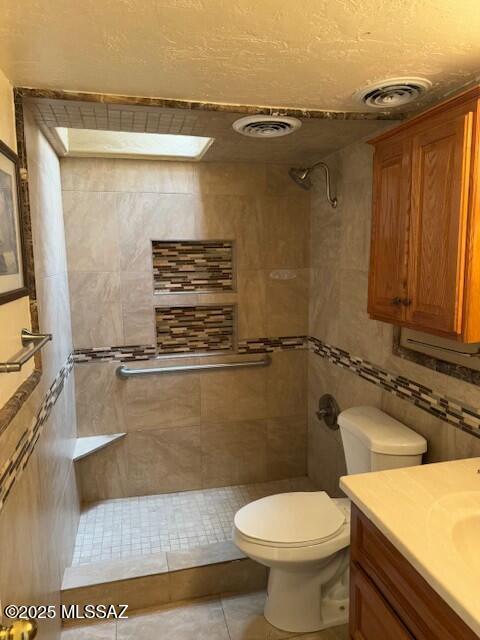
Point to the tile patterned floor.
(181, 521)
(230, 618)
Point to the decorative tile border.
(13, 468)
(456, 414)
(26, 220)
(194, 329)
(15, 403)
(192, 266)
(269, 345)
(120, 354)
(61, 99)
(149, 352)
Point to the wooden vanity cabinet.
(425, 245)
(389, 599)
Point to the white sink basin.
(466, 539)
(454, 526)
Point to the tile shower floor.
(128, 527)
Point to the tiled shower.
(197, 263)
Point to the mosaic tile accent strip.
(269, 345)
(451, 411)
(13, 468)
(187, 266)
(148, 352)
(121, 354)
(195, 329)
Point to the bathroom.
(207, 314)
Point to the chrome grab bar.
(38, 340)
(125, 372)
(467, 354)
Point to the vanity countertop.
(431, 514)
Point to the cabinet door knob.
(396, 301)
(406, 302)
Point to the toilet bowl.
(303, 538)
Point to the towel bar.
(38, 340)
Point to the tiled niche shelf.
(187, 266)
(195, 329)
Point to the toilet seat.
(290, 520)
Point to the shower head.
(301, 176)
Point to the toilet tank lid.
(380, 432)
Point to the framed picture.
(12, 257)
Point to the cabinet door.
(388, 252)
(371, 618)
(438, 222)
(420, 608)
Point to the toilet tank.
(373, 441)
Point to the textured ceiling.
(312, 54)
(315, 138)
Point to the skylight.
(97, 143)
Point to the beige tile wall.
(114, 208)
(186, 431)
(339, 250)
(39, 521)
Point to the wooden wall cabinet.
(389, 599)
(425, 247)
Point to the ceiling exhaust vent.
(394, 92)
(266, 126)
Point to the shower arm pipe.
(332, 200)
(126, 372)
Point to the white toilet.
(304, 537)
